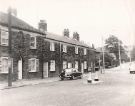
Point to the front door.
(82, 67)
(69, 65)
(45, 70)
(20, 69)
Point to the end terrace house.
(37, 53)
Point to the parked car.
(70, 73)
(132, 68)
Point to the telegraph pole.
(103, 56)
(119, 53)
(10, 52)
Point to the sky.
(92, 19)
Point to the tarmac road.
(117, 88)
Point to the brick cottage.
(36, 53)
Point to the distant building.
(37, 53)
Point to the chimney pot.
(42, 26)
(66, 32)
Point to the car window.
(68, 70)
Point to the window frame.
(52, 46)
(36, 67)
(85, 51)
(4, 36)
(76, 50)
(35, 42)
(64, 48)
(1, 64)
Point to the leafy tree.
(109, 59)
(133, 53)
(113, 44)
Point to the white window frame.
(52, 46)
(64, 64)
(76, 64)
(65, 48)
(36, 65)
(4, 35)
(76, 50)
(85, 64)
(34, 42)
(1, 65)
(85, 51)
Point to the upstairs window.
(52, 46)
(4, 36)
(64, 48)
(85, 51)
(76, 50)
(52, 65)
(3, 64)
(33, 42)
(33, 65)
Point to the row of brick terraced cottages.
(37, 53)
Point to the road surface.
(117, 88)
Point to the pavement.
(26, 82)
(30, 82)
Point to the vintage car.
(70, 73)
(132, 68)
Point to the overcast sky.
(92, 19)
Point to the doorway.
(45, 70)
(82, 67)
(20, 69)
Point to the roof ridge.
(17, 23)
(64, 39)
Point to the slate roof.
(17, 23)
(65, 39)
(20, 24)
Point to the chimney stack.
(42, 26)
(76, 36)
(66, 32)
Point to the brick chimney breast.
(66, 32)
(76, 36)
(42, 26)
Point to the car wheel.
(62, 78)
(81, 76)
(73, 77)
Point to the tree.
(133, 54)
(113, 45)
